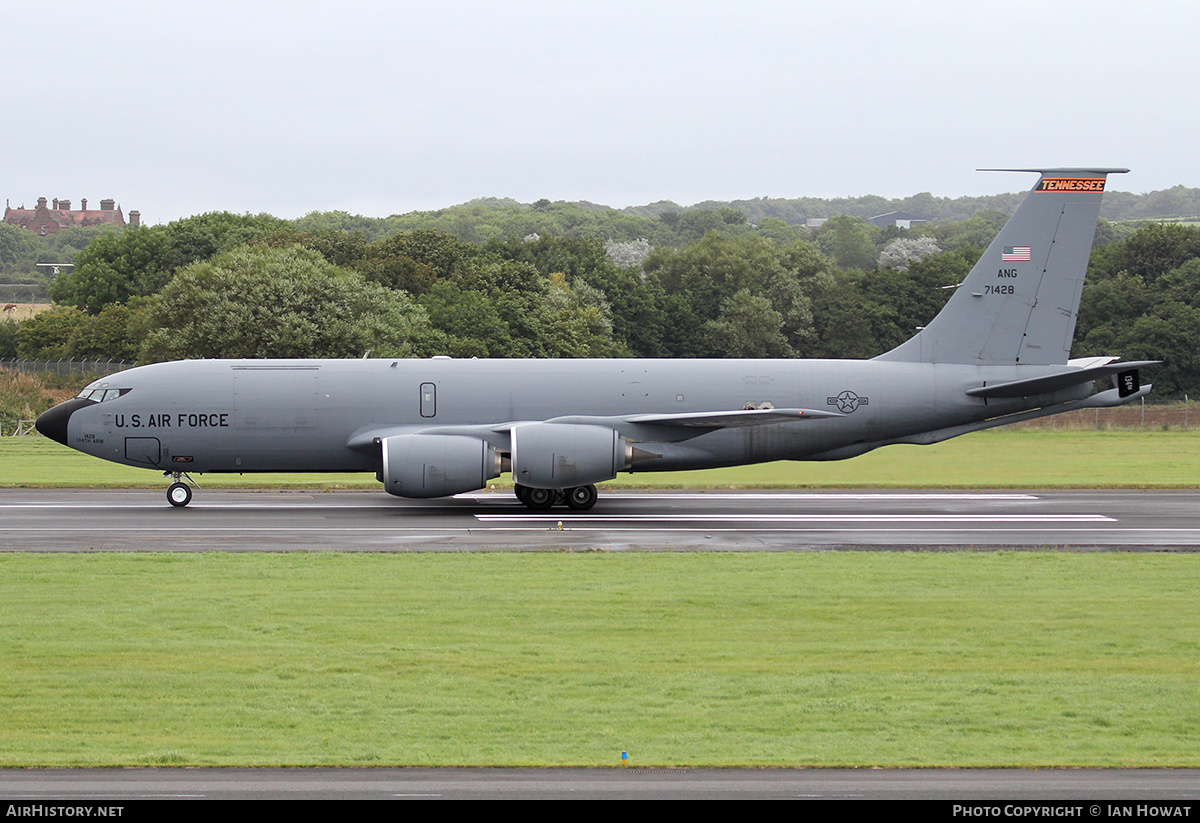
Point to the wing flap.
(738, 418)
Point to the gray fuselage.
(323, 415)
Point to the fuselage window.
(100, 395)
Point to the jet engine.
(566, 455)
(435, 465)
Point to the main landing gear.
(580, 498)
(179, 494)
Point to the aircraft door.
(428, 400)
(143, 450)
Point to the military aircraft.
(997, 353)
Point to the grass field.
(833, 659)
(24, 311)
(994, 459)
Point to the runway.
(1175, 790)
(71, 520)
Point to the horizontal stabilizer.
(1059, 382)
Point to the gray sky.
(378, 108)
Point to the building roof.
(46, 219)
(893, 217)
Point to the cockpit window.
(100, 395)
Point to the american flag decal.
(1016, 254)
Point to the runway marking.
(435, 531)
(501, 498)
(802, 518)
(776, 496)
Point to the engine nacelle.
(435, 465)
(566, 455)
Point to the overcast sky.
(377, 108)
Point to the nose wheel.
(179, 494)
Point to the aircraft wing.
(1063, 380)
(662, 427)
(676, 426)
(730, 419)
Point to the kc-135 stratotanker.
(997, 353)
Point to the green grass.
(995, 459)
(830, 659)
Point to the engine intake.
(566, 455)
(435, 465)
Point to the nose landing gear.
(179, 494)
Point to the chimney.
(83, 203)
(41, 203)
(135, 218)
(107, 205)
(65, 205)
(56, 202)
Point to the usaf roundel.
(847, 401)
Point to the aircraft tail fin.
(1019, 302)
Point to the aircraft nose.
(53, 423)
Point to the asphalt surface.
(70, 520)
(996, 787)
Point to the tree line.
(224, 285)
(663, 223)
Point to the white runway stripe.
(734, 496)
(799, 518)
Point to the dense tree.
(696, 223)
(1135, 307)
(447, 256)
(47, 335)
(849, 241)
(115, 333)
(8, 338)
(200, 237)
(278, 302)
(67, 332)
(531, 315)
(847, 323)
(16, 244)
(976, 232)
(469, 320)
(863, 314)
(633, 305)
(699, 283)
(115, 267)
(1153, 250)
(341, 248)
(1167, 332)
(141, 260)
(748, 326)
(902, 252)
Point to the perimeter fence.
(1137, 416)
(66, 366)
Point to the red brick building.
(48, 219)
